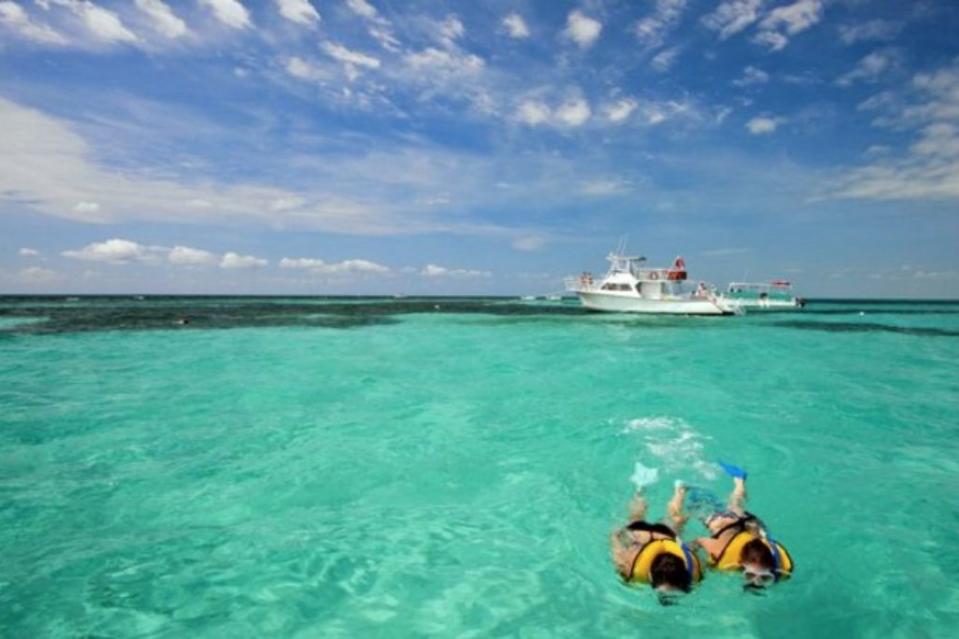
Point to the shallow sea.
(453, 467)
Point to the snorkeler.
(740, 540)
(653, 553)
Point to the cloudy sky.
(396, 146)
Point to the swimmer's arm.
(622, 557)
(675, 508)
(710, 545)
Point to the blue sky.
(371, 146)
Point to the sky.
(407, 147)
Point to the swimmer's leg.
(674, 509)
(623, 556)
(737, 498)
(637, 507)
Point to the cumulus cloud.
(653, 29)
(751, 75)
(515, 26)
(789, 20)
(16, 19)
(582, 29)
(573, 112)
(299, 11)
(732, 16)
(434, 270)
(870, 68)
(763, 125)
(184, 255)
(115, 251)
(164, 20)
(346, 267)
(621, 109)
(233, 260)
(28, 252)
(533, 112)
(232, 13)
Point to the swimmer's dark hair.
(756, 552)
(669, 570)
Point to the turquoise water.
(332, 469)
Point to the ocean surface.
(265, 467)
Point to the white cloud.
(164, 20)
(362, 8)
(380, 28)
(449, 61)
(515, 26)
(732, 16)
(433, 270)
(28, 252)
(233, 260)
(788, 20)
(102, 23)
(232, 13)
(663, 60)
(870, 68)
(582, 29)
(652, 29)
(38, 275)
(185, 255)
(321, 267)
(529, 243)
(762, 125)
(870, 30)
(605, 187)
(14, 17)
(533, 113)
(347, 56)
(86, 208)
(450, 30)
(300, 11)
(751, 75)
(307, 70)
(574, 112)
(115, 251)
(621, 109)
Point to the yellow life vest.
(729, 558)
(642, 565)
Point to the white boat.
(771, 296)
(629, 287)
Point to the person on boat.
(653, 553)
(740, 541)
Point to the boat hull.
(611, 303)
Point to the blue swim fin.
(733, 471)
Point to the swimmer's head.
(759, 566)
(668, 575)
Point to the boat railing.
(583, 283)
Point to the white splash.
(679, 448)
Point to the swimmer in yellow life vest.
(739, 540)
(653, 553)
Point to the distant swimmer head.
(669, 576)
(759, 565)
